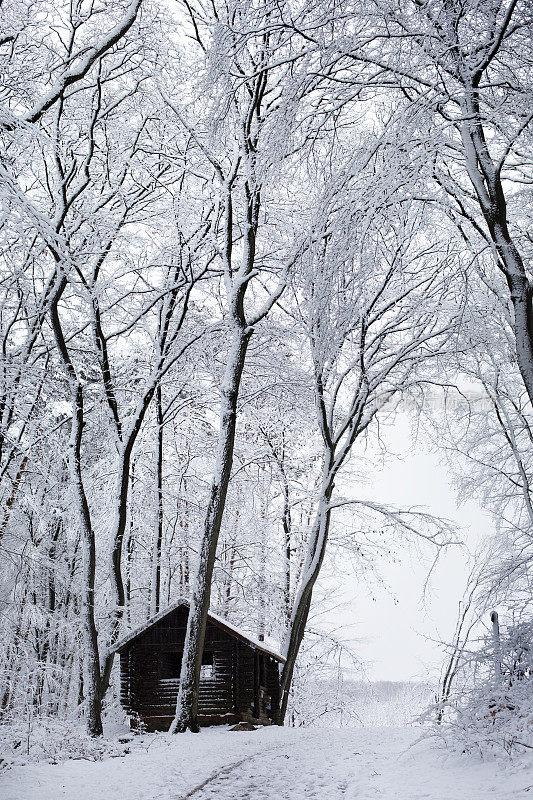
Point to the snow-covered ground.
(274, 764)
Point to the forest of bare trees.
(237, 237)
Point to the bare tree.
(243, 164)
(68, 70)
(464, 70)
(370, 336)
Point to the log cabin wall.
(237, 681)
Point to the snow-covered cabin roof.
(220, 622)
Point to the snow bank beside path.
(160, 766)
(277, 764)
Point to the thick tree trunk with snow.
(287, 545)
(485, 175)
(158, 532)
(130, 548)
(521, 296)
(302, 604)
(117, 582)
(91, 660)
(187, 705)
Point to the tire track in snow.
(228, 769)
(303, 772)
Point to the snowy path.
(276, 764)
(362, 765)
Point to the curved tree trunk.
(91, 659)
(187, 706)
(302, 603)
(486, 180)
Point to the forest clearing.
(266, 398)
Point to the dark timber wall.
(239, 680)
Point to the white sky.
(393, 632)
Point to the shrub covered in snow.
(491, 703)
(52, 740)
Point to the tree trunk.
(130, 548)
(91, 660)
(287, 528)
(229, 579)
(496, 644)
(302, 603)
(187, 705)
(117, 583)
(158, 533)
(485, 176)
(119, 529)
(262, 581)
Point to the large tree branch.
(81, 64)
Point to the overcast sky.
(392, 630)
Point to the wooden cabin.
(239, 678)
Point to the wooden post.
(497, 646)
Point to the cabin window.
(207, 670)
(170, 666)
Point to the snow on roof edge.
(134, 632)
(254, 642)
